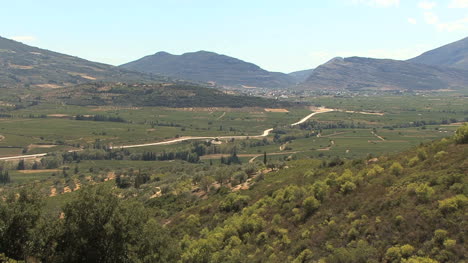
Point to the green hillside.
(166, 95)
(411, 207)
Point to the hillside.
(155, 95)
(357, 73)
(302, 75)
(451, 55)
(409, 208)
(209, 67)
(22, 65)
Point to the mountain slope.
(23, 65)
(452, 55)
(357, 73)
(209, 67)
(302, 75)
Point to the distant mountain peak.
(207, 66)
(451, 55)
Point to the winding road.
(183, 139)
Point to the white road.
(183, 139)
(30, 156)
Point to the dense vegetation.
(164, 95)
(405, 208)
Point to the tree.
(99, 227)
(264, 158)
(461, 135)
(21, 165)
(311, 204)
(19, 215)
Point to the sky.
(277, 35)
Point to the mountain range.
(211, 68)
(22, 65)
(357, 73)
(444, 68)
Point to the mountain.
(358, 73)
(451, 55)
(301, 76)
(206, 66)
(23, 65)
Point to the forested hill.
(406, 208)
(164, 95)
(411, 208)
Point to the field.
(403, 122)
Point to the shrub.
(234, 202)
(440, 235)
(305, 256)
(310, 204)
(450, 243)
(452, 204)
(461, 135)
(396, 169)
(407, 250)
(440, 155)
(347, 187)
(413, 161)
(422, 154)
(415, 259)
(423, 191)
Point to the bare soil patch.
(38, 171)
(20, 66)
(108, 108)
(58, 115)
(276, 110)
(48, 86)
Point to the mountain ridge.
(206, 66)
(450, 55)
(23, 65)
(359, 73)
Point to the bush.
(347, 187)
(413, 161)
(310, 204)
(461, 135)
(423, 191)
(396, 169)
(234, 202)
(452, 204)
(305, 256)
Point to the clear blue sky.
(277, 35)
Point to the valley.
(204, 158)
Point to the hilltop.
(451, 55)
(209, 67)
